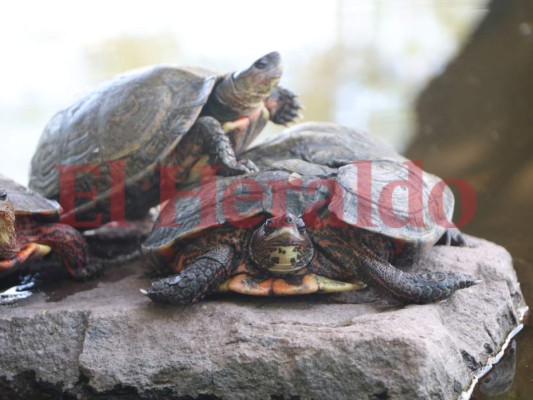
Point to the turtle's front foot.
(176, 289)
(196, 281)
(283, 106)
(208, 134)
(188, 287)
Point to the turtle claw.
(452, 237)
(196, 281)
(248, 165)
(220, 149)
(240, 167)
(177, 289)
(283, 106)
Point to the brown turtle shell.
(139, 117)
(319, 194)
(323, 143)
(28, 202)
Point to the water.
(360, 63)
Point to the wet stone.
(107, 340)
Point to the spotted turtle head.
(7, 226)
(281, 245)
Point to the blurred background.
(446, 82)
(361, 63)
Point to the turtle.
(164, 120)
(299, 228)
(29, 231)
(331, 144)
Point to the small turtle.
(160, 117)
(300, 228)
(28, 233)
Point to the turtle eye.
(3, 194)
(288, 219)
(262, 63)
(268, 228)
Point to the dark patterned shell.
(320, 143)
(26, 201)
(239, 201)
(315, 193)
(412, 200)
(140, 116)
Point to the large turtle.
(333, 145)
(27, 232)
(161, 119)
(300, 228)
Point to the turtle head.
(243, 91)
(7, 226)
(281, 244)
(261, 77)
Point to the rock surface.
(105, 340)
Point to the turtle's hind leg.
(410, 287)
(197, 280)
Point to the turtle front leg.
(68, 243)
(206, 137)
(410, 287)
(196, 281)
(282, 106)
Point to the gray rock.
(109, 341)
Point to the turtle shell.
(395, 199)
(27, 202)
(320, 143)
(391, 198)
(237, 201)
(139, 117)
(424, 200)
